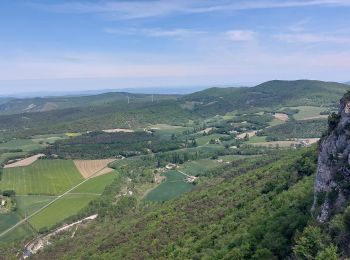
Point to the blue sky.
(72, 45)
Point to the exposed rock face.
(332, 185)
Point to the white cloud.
(240, 35)
(312, 38)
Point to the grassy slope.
(250, 216)
(46, 177)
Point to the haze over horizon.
(85, 45)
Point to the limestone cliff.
(332, 184)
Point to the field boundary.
(47, 205)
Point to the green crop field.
(27, 205)
(96, 185)
(173, 187)
(197, 167)
(19, 233)
(276, 121)
(165, 131)
(256, 139)
(46, 177)
(7, 220)
(61, 209)
(235, 157)
(203, 140)
(24, 144)
(307, 112)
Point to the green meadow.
(46, 177)
(173, 187)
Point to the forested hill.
(268, 94)
(112, 110)
(251, 209)
(42, 104)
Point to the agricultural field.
(96, 184)
(24, 162)
(66, 206)
(21, 232)
(61, 209)
(235, 157)
(166, 131)
(309, 112)
(45, 177)
(297, 129)
(256, 139)
(7, 221)
(89, 168)
(310, 141)
(196, 168)
(26, 145)
(204, 140)
(173, 187)
(28, 204)
(276, 121)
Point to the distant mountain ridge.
(270, 93)
(43, 104)
(111, 110)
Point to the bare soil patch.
(24, 162)
(281, 116)
(88, 168)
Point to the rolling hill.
(43, 104)
(111, 110)
(274, 93)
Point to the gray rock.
(332, 184)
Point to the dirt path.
(47, 205)
(184, 174)
(40, 242)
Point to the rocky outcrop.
(332, 184)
